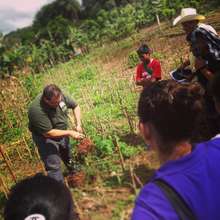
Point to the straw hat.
(188, 14)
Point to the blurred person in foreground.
(40, 198)
(48, 123)
(186, 186)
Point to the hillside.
(102, 83)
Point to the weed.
(133, 59)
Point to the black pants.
(51, 152)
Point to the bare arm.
(140, 83)
(145, 82)
(77, 116)
(53, 133)
(200, 65)
(208, 74)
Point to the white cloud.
(18, 13)
(23, 5)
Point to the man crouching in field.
(48, 123)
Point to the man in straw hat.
(201, 47)
(205, 55)
(190, 20)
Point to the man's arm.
(77, 116)
(140, 82)
(207, 73)
(145, 82)
(53, 133)
(200, 65)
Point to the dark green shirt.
(42, 118)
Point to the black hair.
(51, 91)
(172, 109)
(40, 195)
(215, 86)
(143, 49)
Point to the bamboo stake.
(115, 142)
(78, 210)
(8, 166)
(138, 180)
(8, 158)
(133, 179)
(38, 157)
(27, 147)
(4, 187)
(126, 114)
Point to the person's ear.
(145, 131)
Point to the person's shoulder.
(36, 102)
(148, 192)
(139, 65)
(212, 146)
(215, 141)
(207, 27)
(151, 203)
(155, 61)
(35, 106)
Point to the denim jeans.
(51, 152)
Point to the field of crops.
(102, 84)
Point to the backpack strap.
(182, 209)
(147, 69)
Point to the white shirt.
(207, 27)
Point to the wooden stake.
(115, 142)
(138, 180)
(4, 187)
(133, 179)
(8, 166)
(27, 147)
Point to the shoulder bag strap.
(182, 209)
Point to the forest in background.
(64, 28)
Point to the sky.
(18, 13)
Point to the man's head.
(189, 26)
(189, 19)
(52, 95)
(144, 53)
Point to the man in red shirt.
(149, 70)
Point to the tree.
(68, 9)
(157, 8)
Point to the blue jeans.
(51, 152)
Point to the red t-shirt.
(154, 65)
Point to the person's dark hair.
(40, 195)
(51, 91)
(172, 109)
(143, 49)
(215, 87)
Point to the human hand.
(147, 82)
(76, 135)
